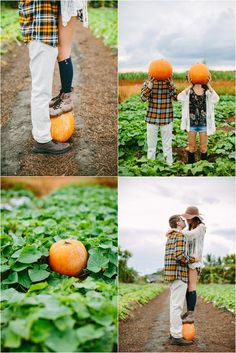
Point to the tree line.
(216, 269)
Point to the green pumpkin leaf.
(66, 341)
(97, 260)
(38, 275)
(29, 254)
(12, 278)
(89, 333)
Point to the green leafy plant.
(133, 149)
(103, 22)
(45, 311)
(133, 294)
(221, 295)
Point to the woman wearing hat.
(195, 240)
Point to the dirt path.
(148, 329)
(94, 143)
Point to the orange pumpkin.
(68, 257)
(199, 74)
(62, 127)
(188, 331)
(161, 70)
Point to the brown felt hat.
(192, 212)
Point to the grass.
(221, 295)
(10, 29)
(131, 294)
(103, 22)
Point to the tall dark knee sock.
(191, 298)
(66, 73)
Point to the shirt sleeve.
(172, 90)
(213, 96)
(183, 96)
(145, 92)
(191, 234)
(180, 250)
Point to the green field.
(132, 143)
(222, 295)
(10, 29)
(132, 294)
(103, 22)
(43, 311)
(216, 75)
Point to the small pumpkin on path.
(62, 127)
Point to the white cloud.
(182, 31)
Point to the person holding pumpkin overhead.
(194, 247)
(41, 28)
(176, 274)
(159, 90)
(198, 110)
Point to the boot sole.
(45, 151)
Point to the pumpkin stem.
(67, 242)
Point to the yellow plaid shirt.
(39, 20)
(176, 259)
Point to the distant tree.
(126, 274)
(229, 259)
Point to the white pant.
(166, 135)
(42, 62)
(177, 298)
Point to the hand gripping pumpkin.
(68, 257)
(161, 70)
(188, 331)
(62, 127)
(199, 74)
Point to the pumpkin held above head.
(62, 127)
(68, 257)
(199, 74)
(161, 69)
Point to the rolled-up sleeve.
(145, 92)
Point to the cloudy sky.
(185, 32)
(146, 203)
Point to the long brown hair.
(195, 223)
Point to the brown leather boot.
(55, 99)
(189, 319)
(63, 105)
(183, 316)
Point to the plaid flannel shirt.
(39, 20)
(176, 259)
(160, 109)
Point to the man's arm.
(180, 250)
(146, 90)
(172, 89)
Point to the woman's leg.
(191, 295)
(203, 145)
(192, 135)
(65, 37)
